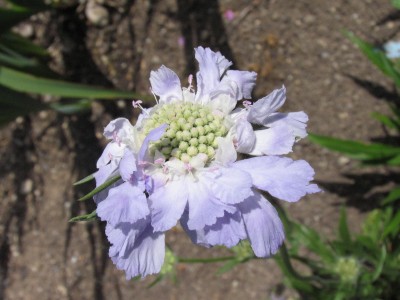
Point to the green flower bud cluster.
(192, 129)
(170, 262)
(347, 268)
(243, 250)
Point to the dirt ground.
(298, 43)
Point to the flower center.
(192, 129)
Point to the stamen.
(137, 104)
(143, 163)
(155, 97)
(159, 161)
(190, 80)
(188, 167)
(247, 103)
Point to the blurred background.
(53, 58)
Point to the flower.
(392, 49)
(179, 163)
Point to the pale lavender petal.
(222, 63)
(226, 152)
(282, 177)
(204, 207)
(119, 130)
(141, 252)
(227, 231)
(223, 98)
(104, 193)
(232, 185)
(197, 236)
(167, 205)
(244, 80)
(267, 105)
(297, 121)
(155, 181)
(212, 65)
(245, 137)
(122, 236)
(273, 141)
(106, 172)
(127, 166)
(153, 136)
(125, 203)
(166, 84)
(208, 58)
(263, 226)
(111, 151)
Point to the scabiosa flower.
(179, 163)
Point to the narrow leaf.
(344, 232)
(377, 57)
(393, 226)
(86, 179)
(395, 161)
(228, 266)
(87, 217)
(72, 108)
(23, 82)
(14, 104)
(356, 149)
(100, 188)
(22, 45)
(386, 120)
(379, 266)
(393, 196)
(396, 3)
(32, 4)
(11, 17)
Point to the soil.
(297, 43)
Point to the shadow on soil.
(365, 191)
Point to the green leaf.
(296, 281)
(380, 264)
(311, 239)
(395, 161)
(396, 3)
(32, 4)
(101, 187)
(356, 149)
(22, 45)
(14, 104)
(72, 108)
(155, 281)
(87, 217)
(393, 196)
(344, 232)
(23, 82)
(386, 120)
(228, 266)
(393, 227)
(28, 65)
(11, 17)
(377, 57)
(86, 179)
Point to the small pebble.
(26, 187)
(96, 14)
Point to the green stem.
(286, 261)
(204, 260)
